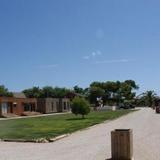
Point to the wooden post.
(122, 144)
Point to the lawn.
(53, 125)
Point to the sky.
(75, 42)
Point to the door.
(4, 108)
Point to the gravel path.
(94, 143)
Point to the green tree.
(61, 92)
(4, 91)
(78, 90)
(34, 92)
(48, 91)
(113, 91)
(80, 106)
(94, 93)
(149, 98)
(97, 84)
(132, 84)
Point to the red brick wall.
(19, 108)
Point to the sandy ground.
(94, 143)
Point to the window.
(52, 106)
(64, 105)
(14, 104)
(26, 107)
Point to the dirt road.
(94, 143)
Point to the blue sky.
(75, 42)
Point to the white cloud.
(86, 57)
(92, 55)
(113, 61)
(99, 53)
(96, 53)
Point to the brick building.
(17, 104)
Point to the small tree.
(4, 91)
(80, 106)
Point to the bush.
(80, 106)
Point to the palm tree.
(149, 97)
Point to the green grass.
(51, 126)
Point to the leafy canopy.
(4, 91)
(80, 106)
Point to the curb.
(40, 140)
(58, 138)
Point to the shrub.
(80, 106)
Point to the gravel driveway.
(94, 143)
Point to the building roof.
(18, 95)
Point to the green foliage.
(132, 84)
(47, 91)
(61, 92)
(113, 92)
(34, 92)
(149, 98)
(80, 106)
(78, 90)
(4, 92)
(94, 93)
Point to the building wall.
(52, 105)
(16, 105)
(65, 104)
(41, 105)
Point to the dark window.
(27, 107)
(64, 104)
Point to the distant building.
(65, 104)
(51, 105)
(17, 104)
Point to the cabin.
(65, 104)
(17, 104)
(53, 105)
